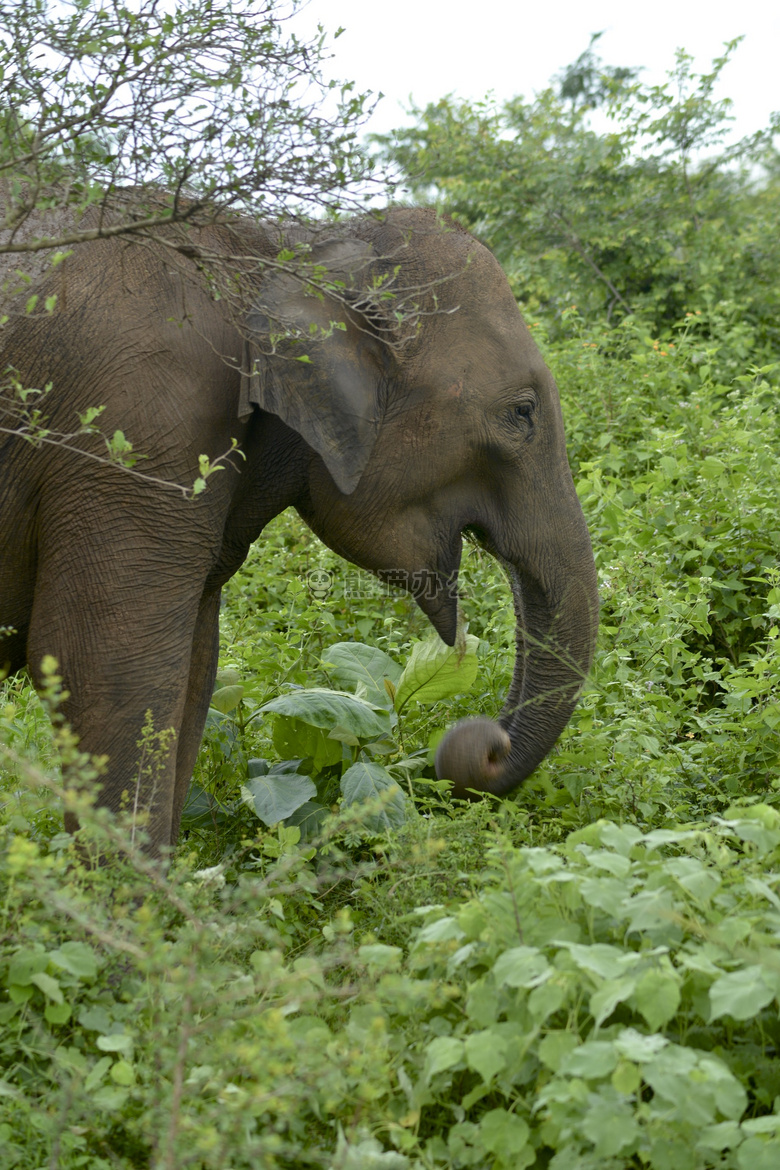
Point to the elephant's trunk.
(557, 621)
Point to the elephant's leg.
(203, 669)
(17, 585)
(122, 635)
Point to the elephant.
(392, 435)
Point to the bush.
(646, 210)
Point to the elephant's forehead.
(482, 343)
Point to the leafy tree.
(657, 214)
(129, 117)
(588, 81)
(217, 103)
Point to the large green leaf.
(25, 964)
(436, 671)
(292, 737)
(658, 997)
(226, 698)
(77, 958)
(521, 967)
(201, 809)
(354, 663)
(740, 994)
(607, 997)
(276, 797)
(486, 1053)
(443, 1053)
(505, 1134)
(309, 817)
(328, 709)
(365, 781)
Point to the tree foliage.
(200, 107)
(655, 214)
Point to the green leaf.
(626, 1078)
(601, 959)
(712, 467)
(657, 997)
(611, 1126)
(366, 1155)
(354, 664)
(276, 797)
(504, 1134)
(605, 998)
(638, 1047)
(768, 1124)
(370, 782)
(48, 985)
(119, 1042)
(344, 735)
(440, 930)
(123, 1073)
(441, 1054)
(24, 965)
(57, 1013)
(96, 1019)
(759, 1154)
(555, 1047)
(309, 817)
(110, 1099)
(261, 767)
(593, 1060)
(201, 809)
(546, 999)
(723, 1136)
(97, 1072)
(696, 1085)
(486, 1053)
(436, 671)
(740, 994)
(380, 957)
(291, 737)
(227, 698)
(19, 995)
(327, 709)
(77, 958)
(521, 967)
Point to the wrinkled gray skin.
(388, 453)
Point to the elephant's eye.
(519, 415)
(524, 410)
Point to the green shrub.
(610, 1003)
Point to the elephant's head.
(456, 428)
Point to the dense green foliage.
(217, 102)
(657, 213)
(586, 975)
(487, 985)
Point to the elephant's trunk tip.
(473, 755)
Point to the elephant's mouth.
(476, 534)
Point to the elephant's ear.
(326, 388)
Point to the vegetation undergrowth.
(585, 975)
(341, 968)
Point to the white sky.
(427, 48)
